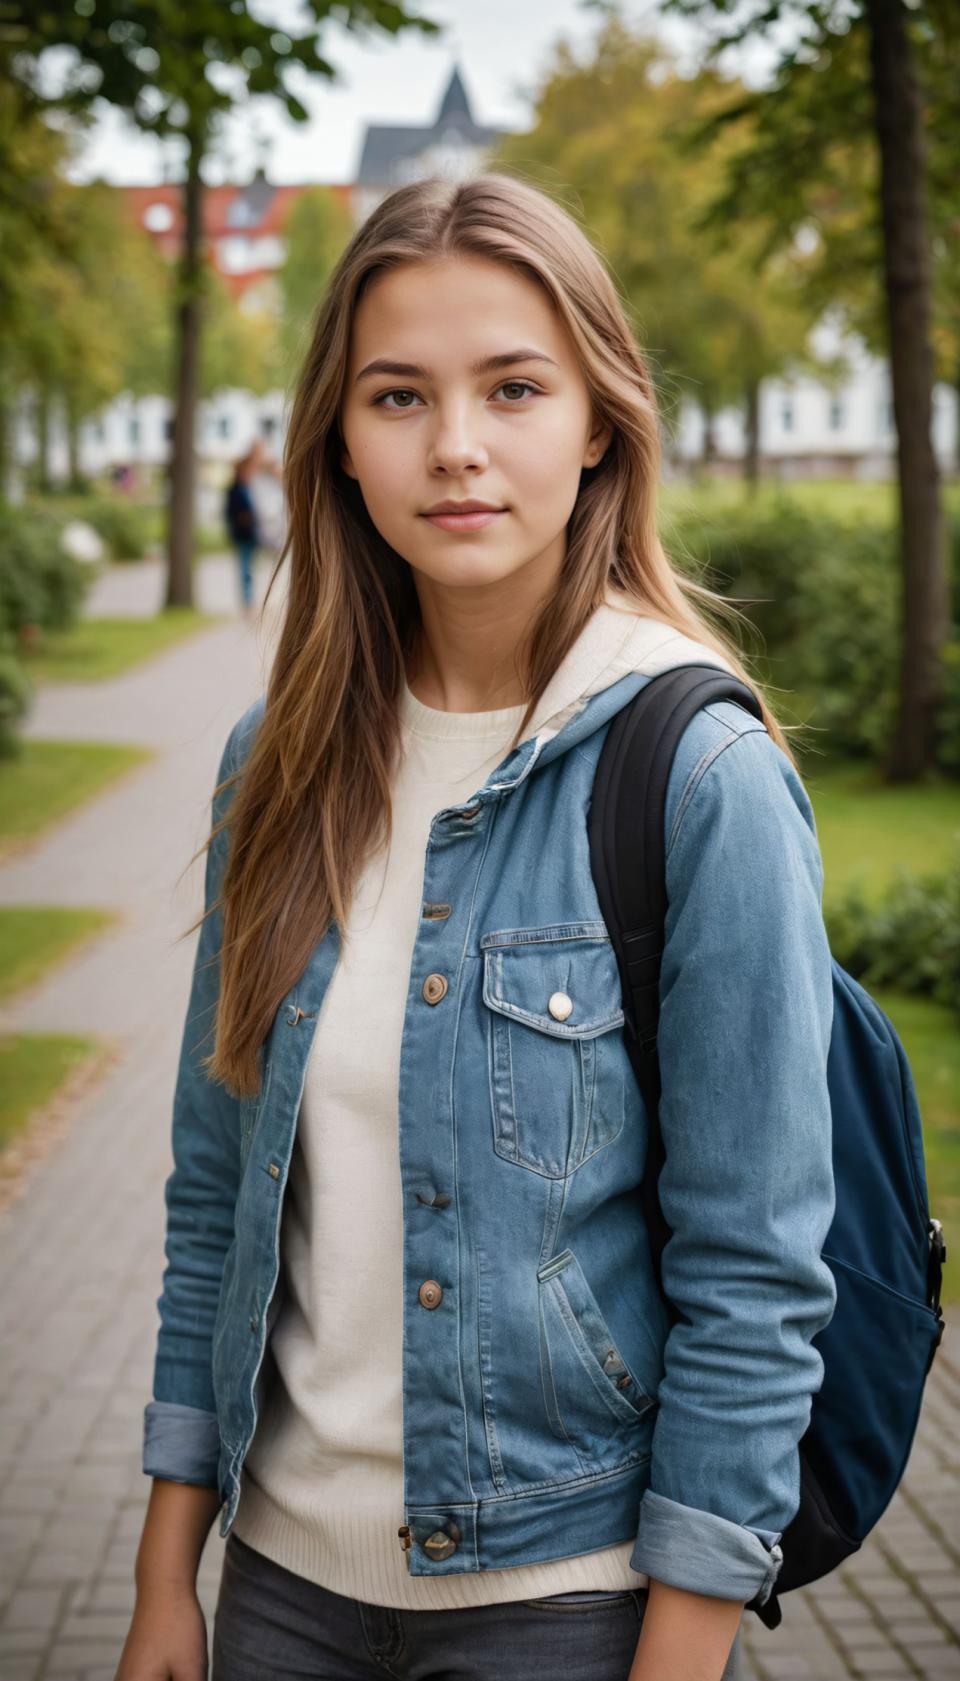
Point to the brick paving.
(81, 1247)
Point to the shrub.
(824, 597)
(126, 527)
(15, 694)
(40, 584)
(909, 938)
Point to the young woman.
(411, 1342)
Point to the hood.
(619, 649)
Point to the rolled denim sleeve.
(747, 1186)
(180, 1433)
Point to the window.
(158, 218)
(224, 426)
(268, 425)
(836, 419)
(786, 414)
(168, 431)
(133, 431)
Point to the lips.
(464, 519)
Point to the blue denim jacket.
(548, 1407)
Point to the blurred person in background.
(243, 515)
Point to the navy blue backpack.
(884, 1250)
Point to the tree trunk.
(187, 352)
(709, 441)
(906, 259)
(72, 419)
(751, 454)
(43, 440)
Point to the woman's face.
(424, 422)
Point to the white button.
(560, 1005)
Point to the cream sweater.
(322, 1486)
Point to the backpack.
(884, 1250)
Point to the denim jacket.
(549, 1407)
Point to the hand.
(167, 1640)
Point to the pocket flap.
(525, 968)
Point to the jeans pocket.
(594, 1599)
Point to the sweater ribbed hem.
(359, 1554)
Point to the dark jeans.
(272, 1625)
(245, 557)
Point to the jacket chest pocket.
(555, 1055)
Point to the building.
(243, 229)
(454, 145)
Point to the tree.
(178, 67)
(875, 50)
(316, 232)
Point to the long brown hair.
(312, 802)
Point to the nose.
(456, 443)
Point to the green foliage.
(823, 595)
(163, 61)
(238, 347)
(127, 527)
(15, 694)
(316, 232)
(909, 938)
(40, 584)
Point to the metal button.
(434, 988)
(439, 1545)
(436, 912)
(470, 811)
(273, 1170)
(560, 1006)
(430, 1293)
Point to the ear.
(347, 463)
(597, 444)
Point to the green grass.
(96, 648)
(49, 779)
(33, 938)
(867, 829)
(33, 1066)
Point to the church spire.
(455, 102)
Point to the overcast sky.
(501, 46)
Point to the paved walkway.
(81, 1249)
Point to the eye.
(380, 402)
(524, 385)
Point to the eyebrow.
(487, 364)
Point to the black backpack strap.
(628, 858)
(626, 824)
